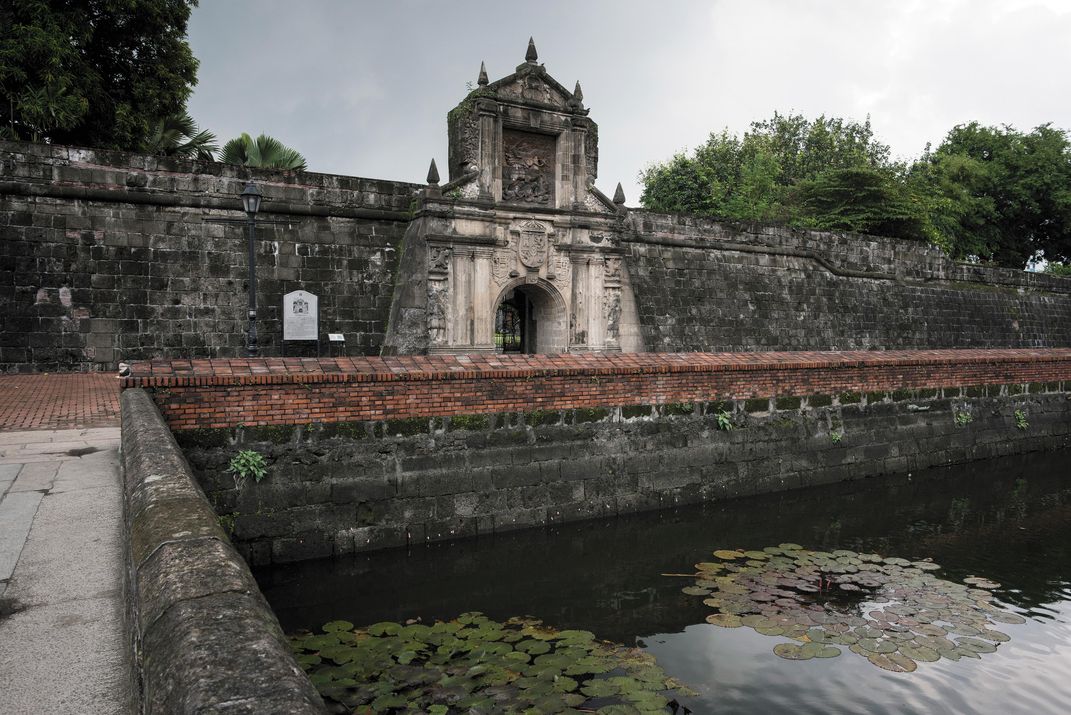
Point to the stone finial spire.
(433, 174)
(576, 101)
(619, 195)
(531, 55)
(482, 81)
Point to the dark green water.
(1007, 520)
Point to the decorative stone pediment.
(533, 87)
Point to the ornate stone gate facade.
(520, 212)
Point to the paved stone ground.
(62, 644)
(45, 401)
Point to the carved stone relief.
(532, 247)
(528, 167)
(612, 308)
(438, 259)
(501, 264)
(613, 268)
(437, 308)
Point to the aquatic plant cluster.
(476, 665)
(894, 612)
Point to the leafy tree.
(999, 194)
(263, 152)
(93, 72)
(861, 199)
(827, 173)
(179, 135)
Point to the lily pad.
(792, 651)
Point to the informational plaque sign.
(301, 316)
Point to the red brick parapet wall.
(223, 393)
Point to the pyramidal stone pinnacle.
(482, 81)
(531, 55)
(433, 174)
(619, 195)
(578, 94)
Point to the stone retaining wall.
(337, 488)
(204, 638)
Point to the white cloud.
(364, 88)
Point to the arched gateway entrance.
(529, 319)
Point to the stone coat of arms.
(532, 248)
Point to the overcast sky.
(363, 88)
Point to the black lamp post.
(251, 198)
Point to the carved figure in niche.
(438, 259)
(613, 313)
(527, 167)
(613, 268)
(437, 312)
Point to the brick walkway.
(58, 401)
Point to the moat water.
(1006, 521)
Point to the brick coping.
(276, 370)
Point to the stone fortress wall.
(714, 286)
(109, 257)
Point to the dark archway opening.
(514, 324)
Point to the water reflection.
(1005, 520)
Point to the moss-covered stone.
(819, 400)
(470, 422)
(203, 438)
(850, 398)
(758, 404)
(348, 430)
(713, 408)
(1035, 388)
(405, 427)
(974, 391)
(927, 393)
(678, 408)
(872, 398)
(590, 414)
(632, 411)
(788, 403)
(902, 395)
(538, 418)
(276, 434)
(1016, 389)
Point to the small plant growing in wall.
(837, 436)
(725, 421)
(1020, 420)
(963, 418)
(245, 464)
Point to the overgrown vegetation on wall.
(990, 193)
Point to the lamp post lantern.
(251, 198)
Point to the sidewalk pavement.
(62, 644)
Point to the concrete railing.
(205, 640)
